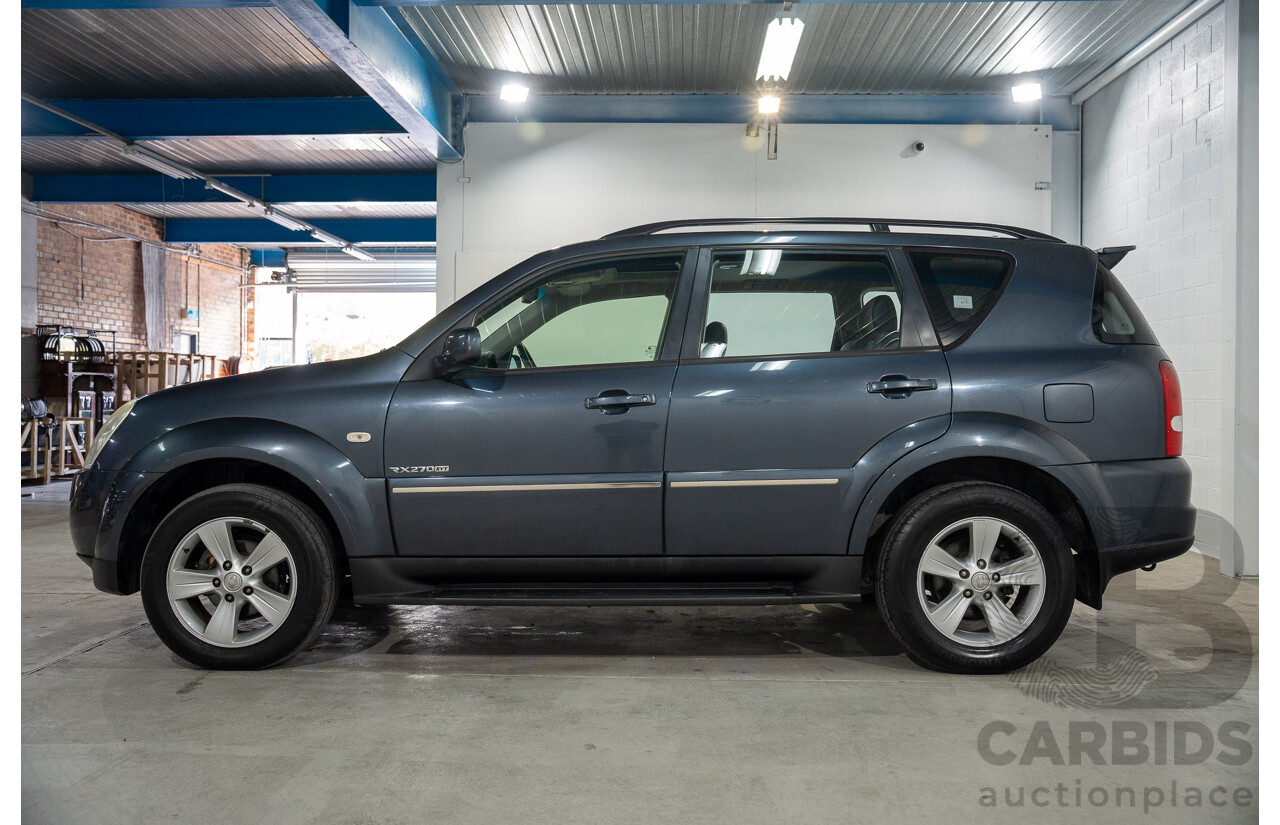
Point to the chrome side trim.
(507, 488)
(760, 482)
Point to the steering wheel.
(524, 356)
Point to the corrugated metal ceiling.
(848, 48)
(148, 53)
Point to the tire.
(214, 610)
(940, 547)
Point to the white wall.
(1153, 175)
(524, 188)
(1066, 186)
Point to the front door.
(552, 445)
(796, 362)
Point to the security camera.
(918, 146)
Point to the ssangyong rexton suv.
(971, 422)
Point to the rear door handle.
(612, 402)
(900, 386)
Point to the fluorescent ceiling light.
(781, 40)
(514, 92)
(225, 189)
(358, 253)
(231, 191)
(284, 220)
(769, 104)
(154, 161)
(1026, 92)
(324, 237)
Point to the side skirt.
(617, 580)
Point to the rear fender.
(973, 436)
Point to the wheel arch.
(269, 453)
(998, 449)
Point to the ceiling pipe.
(154, 160)
(1144, 49)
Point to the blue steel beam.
(161, 189)
(372, 46)
(256, 118)
(1055, 110)
(257, 231)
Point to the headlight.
(104, 435)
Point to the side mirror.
(461, 348)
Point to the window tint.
(1116, 319)
(784, 302)
(959, 288)
(610, 311)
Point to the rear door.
(796, 361)
(552, 445)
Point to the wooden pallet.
(74, 435)
(148, 372)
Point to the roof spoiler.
(1109, 256)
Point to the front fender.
(978, 435)
(356, 504)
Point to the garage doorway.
(326, 306)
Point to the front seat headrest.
(715, 340)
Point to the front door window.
(609, 311)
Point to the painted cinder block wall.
(105, 291)
(1152, 169)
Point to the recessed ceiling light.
(781, 40)
(514, 93)
(770, 104)
(1026, 92)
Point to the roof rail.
(873, 225)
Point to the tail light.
(1172, 409)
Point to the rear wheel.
(239, 577)
(975, 578)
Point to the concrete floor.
(601, 715)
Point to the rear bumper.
(1140, 514)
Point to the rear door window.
(772, 302)
(959, 288)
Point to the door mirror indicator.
(461, 349)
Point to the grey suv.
(971, 422)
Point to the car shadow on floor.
(851, 631)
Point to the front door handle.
(900, 386)
(615, 402)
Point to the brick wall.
(213, 290)
(105, 291)
(1152, 144)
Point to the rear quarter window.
(1116, 319)
(959, 288)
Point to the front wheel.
(975, 578)
(239, 577)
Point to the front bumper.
(100, 505)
